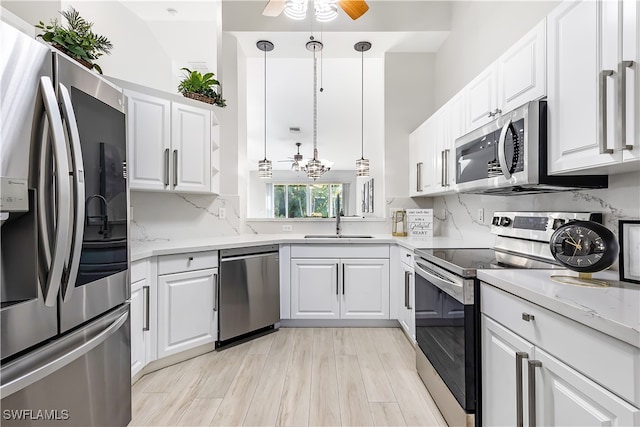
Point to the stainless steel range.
(447, 305)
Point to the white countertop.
(614, 310)
(141, 250)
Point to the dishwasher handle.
(242, 257)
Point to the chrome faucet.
(338, 215)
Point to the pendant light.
(362, 164)
(265, 169)
(315, 167)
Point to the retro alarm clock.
(586, 247)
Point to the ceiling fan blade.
(274, 8)
(354, 8)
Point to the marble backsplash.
(163, 217)
(457, 215)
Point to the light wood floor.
(294, 377)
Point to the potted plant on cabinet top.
(76, 39)
(202, 87)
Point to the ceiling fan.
(296, 160)
(325, 9)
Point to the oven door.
(446, 329)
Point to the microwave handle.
(502, 158)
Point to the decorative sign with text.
(420, 222)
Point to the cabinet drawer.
(406, 256)
(139, 270)
(190, 261)
(606, 360)
(340, 251)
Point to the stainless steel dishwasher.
(248, 292)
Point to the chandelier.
(315, 167)
(325, 10)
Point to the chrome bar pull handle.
(533, 364)
(342, 279)
(167, 154)
(519, 392)
(442, 178)
(145, 292)
(406, 289)
(602, 112)
(409, 291)
(337, 280)
(419, 176)
(175, 168)
(215, 291)
(446, 166)
(622, 105)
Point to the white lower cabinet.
(137, 315)
(406, 314)
(186, 301)
(365, 289)
(315, 290)
(141, 310)
(521, 379)
(338, 288)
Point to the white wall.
(34, 11)
(480, 32)
(409, 101)
(136, 55)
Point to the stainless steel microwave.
(508, 156)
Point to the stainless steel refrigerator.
(64, 319)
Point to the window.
(305, 200)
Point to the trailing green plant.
(202, 84)
(76, 39)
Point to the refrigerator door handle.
(56, 260)
(78, 193)
(39, 370)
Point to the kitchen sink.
(336, 236)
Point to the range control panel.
(536, 225)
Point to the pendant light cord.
(265, 104)
(315, 105)
(362, 104)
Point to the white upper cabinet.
(173, 146)
(522, 70)
(517, 77)
(149, 136)
(482, 98)
(593, 85)
(420, 159)
(191, 143)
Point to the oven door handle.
(454, 289)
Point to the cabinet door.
(522, 70)
(315, 289)
(186, 303)
(149, 139)
(406, 314)
(576, 111)
(631, 100)
(365, 289)
(499, 373)
(137, 313)
(481, 97)
(191, 145)
(565, 397)
(419, 162)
